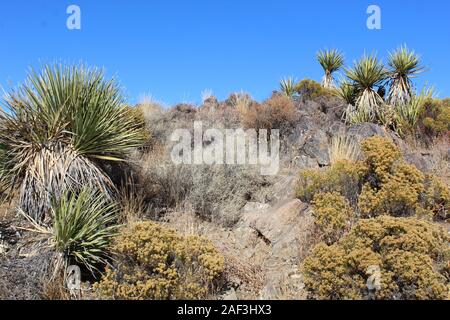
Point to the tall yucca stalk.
(404, 64)
(288, 86)
(331, 61)
(56, 130)
(367, 74)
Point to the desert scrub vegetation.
(57, 130)
(308, 89)
(215, 193)
(381, 258)
(277, 112)
(397, 188)
(434, 119)
(344, 177)
(153, 262)
(333, 215)
(381, 183)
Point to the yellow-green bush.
(437, 198)
(344, 177)
(394, 187)
(156, 263)
(381, 184)
(436, 117)
(310, 89)
(405, 257)
(397, 194)
(381, 155)
(333, 214)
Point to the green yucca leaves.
(407, 115)
(331, 61)
(83, 226)
(288, 86)
(55, 129)
(367, 74)
(347, 92)
(404, 64)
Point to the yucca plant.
(288, 86)
(56, 131)
(404, 64)
(347, 91)
(83, 226)
(367, 74)
(407, 115)
(331, 61)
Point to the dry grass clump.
(382, 258)
(156, 263)
(278, 112)
(344, 149)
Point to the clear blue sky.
(176, 49)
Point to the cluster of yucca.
(366, 85)
(56, 133)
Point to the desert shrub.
(380, 155)
(435, 117)
(437, 198)
(397, 194)
(343, 177)
(333, 214)
(309, 90)
(155, 263)
(166, 185)
(60, 127)
(382, 258)
(394, 187)
(220, 192)
(83, 225)
(383, 183)
(278, 112)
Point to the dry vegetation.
(90, 182)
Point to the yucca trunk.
(327, 81)
(400, 93)
(368, 104)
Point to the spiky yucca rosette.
(331, 61)
(404, 65)
(56, 128)
(366, 75)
